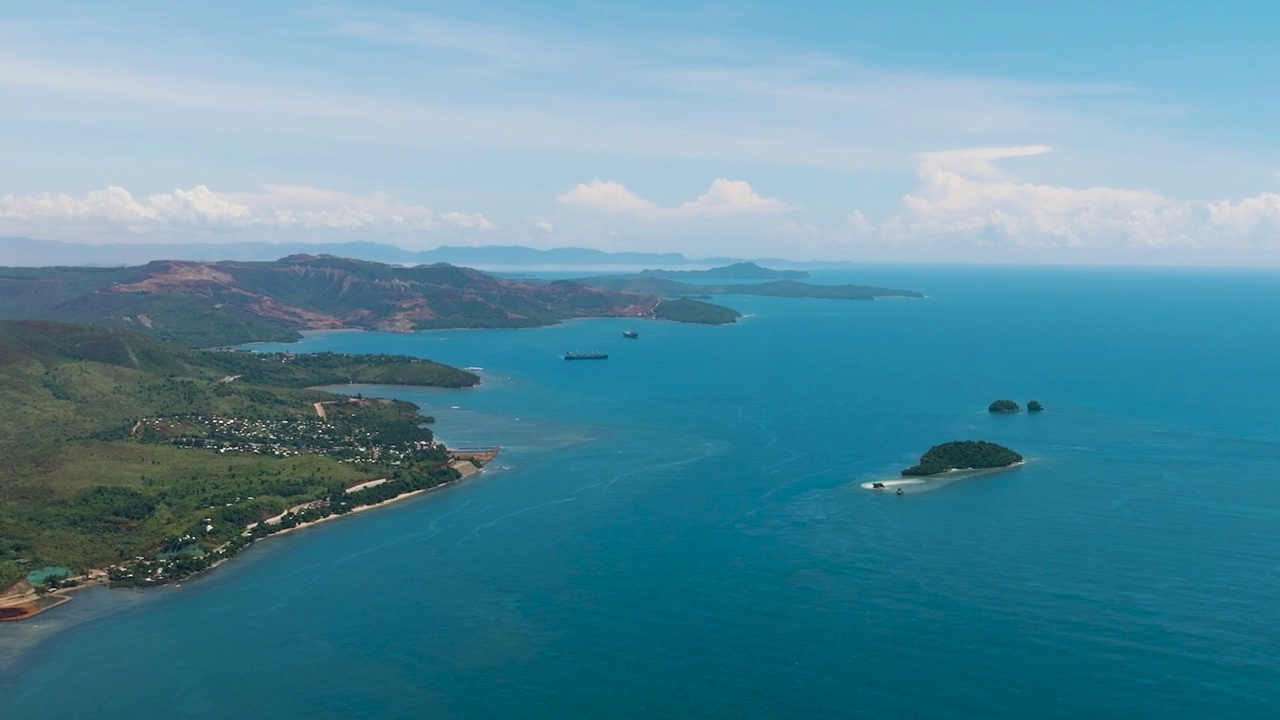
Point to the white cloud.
(1260, 213)
(544, 226)
(964, 199)
(467, 222)
(606, 197)
(963, 194)
(198, 207)
(724, 197)
(275, 207)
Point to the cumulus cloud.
(1246, 218)
(724, 197)
(197, 207)
(467, 222)
(606, 197)
(727, 197)
(971, 203)
(964, 194)
(275, 207)
(544, 226)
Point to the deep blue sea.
(678, 531)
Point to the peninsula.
(218, 304)
(963, 455)
(688, 310)
(134, 461)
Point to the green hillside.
(113, 444)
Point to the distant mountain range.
(30, 252)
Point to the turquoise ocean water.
(678, 532)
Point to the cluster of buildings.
(283, 438)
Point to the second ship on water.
(573, 355)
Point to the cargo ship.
(630, 334)
(586, 356)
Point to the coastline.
(320, 332)
(27, 604)
(924, 483)
(34, 603)
(465, 473)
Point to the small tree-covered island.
(1003, 406)
(963, 455)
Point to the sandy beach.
(464, 467)
(933, 482)
(891, 484)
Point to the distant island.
(1003, 406)
(1034, 406)
(667, 287)
(736, 271)
(138, 462)
(963, 455)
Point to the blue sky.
(984, 132)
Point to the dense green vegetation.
(113, 444)
(231, 303)
(1003, 406)
(1034, 406)
(695, 311)
(962, 455)
(182, 555)
(326, 368)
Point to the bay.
(678, 531)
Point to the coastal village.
(281, 438)
(412, 465)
